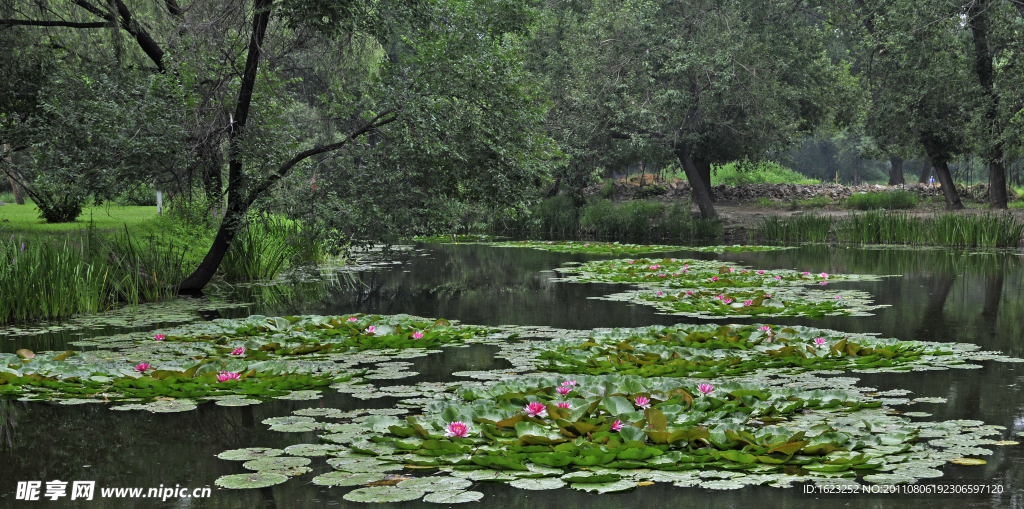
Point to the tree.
(703, 82)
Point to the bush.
(891, 200)
(139, 196)
(608, 191)
(556, 214)
(260, 251)
(734, 174)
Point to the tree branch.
(44, 23)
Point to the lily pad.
(382, 494)
(430, 484)
(604, 487)
(310, 450)
(543, 483)
(276, 462)
(453, 497)
(249, 481)
(250, 453)
(968, 461)
(338, 478)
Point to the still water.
(937, 295)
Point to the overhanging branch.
(45, 23)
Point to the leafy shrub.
(556, 214)
(260, 251)
(767, 172)
(138, 196)
(608, 191)
(891, 200)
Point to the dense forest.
(372, 120)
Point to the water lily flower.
(224, 376)
(158, 337)
(765, 328)
(719, 297)
(767, 295)
(819, 341)
(586, 245)
(732, 269)
(661, 275)
(141, 368)
(565, 390)
(371, 329)
(839, 297)
(778, 277)
(806, 273)
(617, 425)
(714, 278)
(760, 272)
(705, 389)
(655, 267)
(744, 272)
(536, 409)
(823, 283)
(689, 292)
(630, 262)
(563, 404)
(686, 265)
(675, 275)
(642, 402)
(457, 429)
(417, 335)
(671, 259)
(238, 351)
(660, 294)
(823, 275)
(747, 302)
(352, 318)
(686, 271)
(727, 301)
(569, 383)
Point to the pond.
(935, 295)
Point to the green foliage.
(557, 214)
(140, 195)
(890, 200)
(797, 228)
(615, 248)
(644, 219)
(607, 191)
(766, 172)
(260, 251)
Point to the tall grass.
(988, 230)
(48, 282)
(264, 248)
(890, 200)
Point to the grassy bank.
(607, 219)
(972, 230)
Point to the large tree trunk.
(15, 188)
(926, 173)
(997, 197)
(700, 192)
(977, 15)
(704, 170)
(948, 187)
(896, 171)
(237, 205)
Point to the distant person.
(931, 180)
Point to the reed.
(873, 227)
(261, 250)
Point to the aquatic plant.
(615, 248)
(889, 200)
(950, 229)
(457, 429)
(737, 302)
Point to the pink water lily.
(760, 272)
(778, 277)
(569, 383)
(686, 265)
(747, 302)
(675, 274)
(765, 328)
(839, 296)
(767, 295)
(563, 404)
(564, 391)
(457, 429)
(225, 376)
(630, 262)
(238, 351)
(727, 301)
(352, 319)
(661, 275)
(617, 425)
(820, 341)
(686, 271)
(689, 292)
(660, 294)
(732, 269)
(141, 368)
(417, 335)
(586, 245)
(371, 329)
(159, 337)
(806, 273)
(536, 409)
(671, 259)
(714, 278)
(642, 402)
(655, 267)
(719, 297)
(823, 275)
(823, 283)
(705, 389)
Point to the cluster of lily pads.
(615, 248)
(230, 361)
(709, 351)
(613, 433)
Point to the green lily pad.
(290, 471)
(276, 462)
(430, 484)
(543, 483)
(310, 450)
(287, 420)
(453, 497)
(250, 453)
(249, 481)
(604, 487)
(338, 478)
(382, 494)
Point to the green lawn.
(25, 219)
